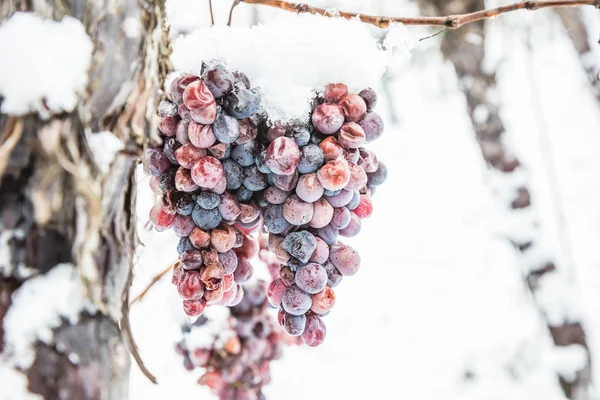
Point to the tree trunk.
(60, 210)
(572, 19)
(465, 49)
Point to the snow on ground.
(48, 63)
(439, 309)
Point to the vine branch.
(449, 21)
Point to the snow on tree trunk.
(574, 23)
(67, 190)
(465, 49)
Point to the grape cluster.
(207, 179)
(236, 355)
(321, 180)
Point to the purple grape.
(358, 178)
(351, 135)
(311, 278)
(283, 156)
(234, 173)
(295, 301)
(229, 207)
(275, 292)
(352, 204)
(309, 188)
(351, 155)
(274, 220)
(218, 80)
(182, 132)
(166, 181)
(328, 118)
(248, 131)
(243, 194)
(245, 154)
(240, 77)
(370, 98)
(208, 200)
(300, 244)
(299, 134)
(311, 158)
(254, 180)
(353, 227)
(323, 301)
(334, 92)
(283, 182)
(341, 199)
(229, 261)
(314, 331)
(183, 203)
(372, 124)
(226, 128)
(191, 259)
(184, 181)
(378, 177)
(288, 277)
(294, 324)
(334, 276)
(206, 219)
(354, 107)
(329, 234)
(184, 245)
(296, 211)
(321, 253)
(244, 270)
(345, 259)
(261, 163)
(332, 193)
(341, 218)
(220, 151)
(241, 102)
(167, 108)
(275, 195)
(207, 172)
(156, 161)
(168, 126)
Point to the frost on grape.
(45, 64)
(287, 58)
(38, 306)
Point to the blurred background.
(483, 250)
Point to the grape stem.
(212, 17)
(449, 21)
(233, 5)
(154, 280)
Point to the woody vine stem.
(448, 22)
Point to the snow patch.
(558, 297)
(47, 66)
(568, 360)
(37, 307)
(15, 385)
(288, 58)
(132, 27)
(104, 146)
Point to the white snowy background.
(439, 309)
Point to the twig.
(152, 283)
(450, 21)
(233, 5)
(434, 35)
(212, 17)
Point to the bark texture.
(465, 49)
(58, 206)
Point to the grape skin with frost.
(322, 214)
(229, 261)
(295, 301)
(234, 173)
(206, 219)
(296, 211)
(300, 245)
(311, 158)
(311, 278)
(226, 128)
(314, 331)
(245, 154)
(308, 188)
(274, 219)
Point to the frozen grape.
(219, 150)
(160, 218)
(197, 96)
(241, 103)
(222, 238)
(351, 135)
(213, 296)
(294, 324)
(345, 259)
(169, 147)
(199, 239)
(300, 245)
(156, 161)
(378, 177)
(285, 182)
(311, 158)
(194, 308)
(229, 261)
(296, 211)
(189, 286)
(183, 225)
(321, 253)
(328, 118)
(295, 301)
(311, 278)
(179, 84)
(166, 180)
(322, 215)
(234, 174)
(184, 113)
(370, 98)
(283, 156)
(244, 270)
(274, 219)
(261, 162)
(358, 178)
(372, 124)
(188, 154)
(226, 128)
(245, 154)
(207, 172)
(208, 200)
(243, 194)
(191, 259)
(365, 207)
(168, 126)
(354, 107)
(206, 219)
(250, 213)
(218, 80)
(314, 331)
(229, 207)
(274, 195)
(334, 92)
(212, 276)
(328, 234)
(334, 175)
(248, 131)
(309, 188)
(353, 227)
(275, 292)
(354, 202)
(183, 245)
(299, 134)
(184, 181)
(331, 149)
(341, 218)
(254, 179)
(167, 108)
(323, 301)
(351, 155)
